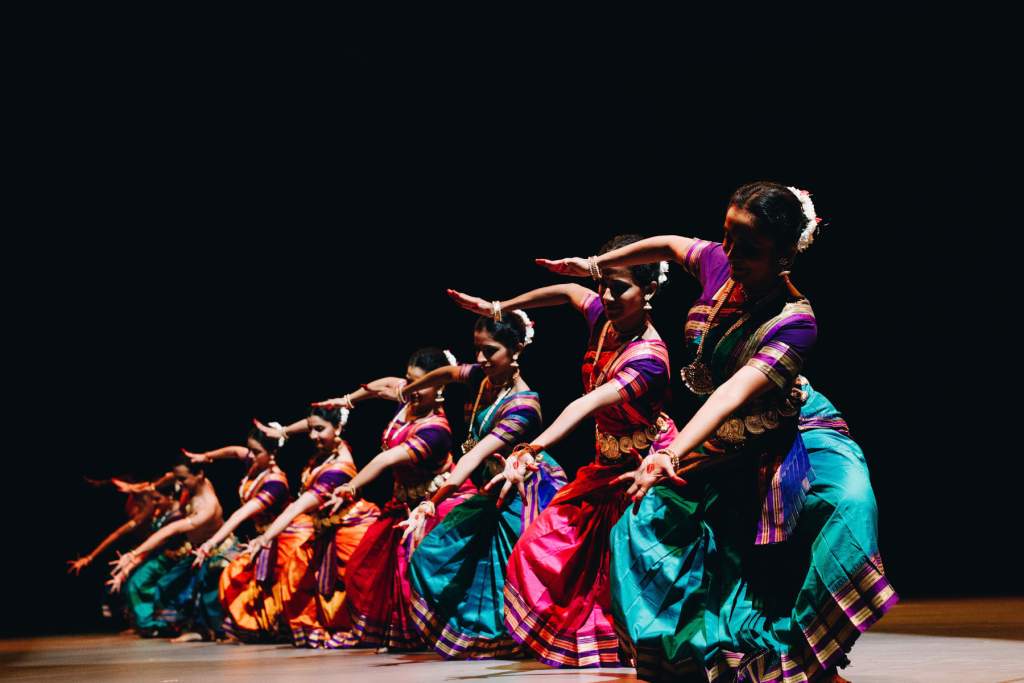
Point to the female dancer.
(183, 597)
(417, 449)
(147, 510)
(313, 583)
(249, 587)
(146, 507)
(557, 595)
(729, 584)
(417, 445)
(458, 571)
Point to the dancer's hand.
(573, 267)
(416, 525)
(472, 304)
(329, 404)
(385, 387)
(124, 563)
(198, 458)
(346, 493)
(128, 487)
(76, 566)
(201, 553)
(518, 466)
(253, 547)
(655, 468)
(272, 432)
(116, 581)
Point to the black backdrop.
(216, 240)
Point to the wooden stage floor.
(961, 641)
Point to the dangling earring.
(440, 396)
(515, 361)
(784, 262)
(647, 302)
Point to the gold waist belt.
(612, 447)
(735, 431)
(180, 552)
(406, 493)
(321, 524)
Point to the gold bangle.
(676, 459)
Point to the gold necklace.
(697, 375)
(470, 442)
(391, 426)
(597, 357)
(311, 473)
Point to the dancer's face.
(261, 457)
(622, 297)
(753, 257)
(421, 400)
(160, 501)
(187, 479)
(323, 434)
(494, 357)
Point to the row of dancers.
(742, 546)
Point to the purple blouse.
(640, 372)
(778, 347)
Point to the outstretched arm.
(375, 467)
(650, 250)
(603, 396)
(467, 464)
(307, 502)
(552, 295)
(142, 516)
(142, 486)
(202, 515)
(380, 388)
(297, 427)
(681, 457)
(240, 515)
(225, 453)
(746, 384)
(438, 377)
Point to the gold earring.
(440, 396)
(515, 361)
(647, 303)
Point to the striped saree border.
(530, 629)
(855, 606)
(451, 643)
(366, 633)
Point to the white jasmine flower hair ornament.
(807, 235)
(278, 425)
(662, 272)
(451, 357)
(528, 324)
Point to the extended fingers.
(504, 492)
(494, 481)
